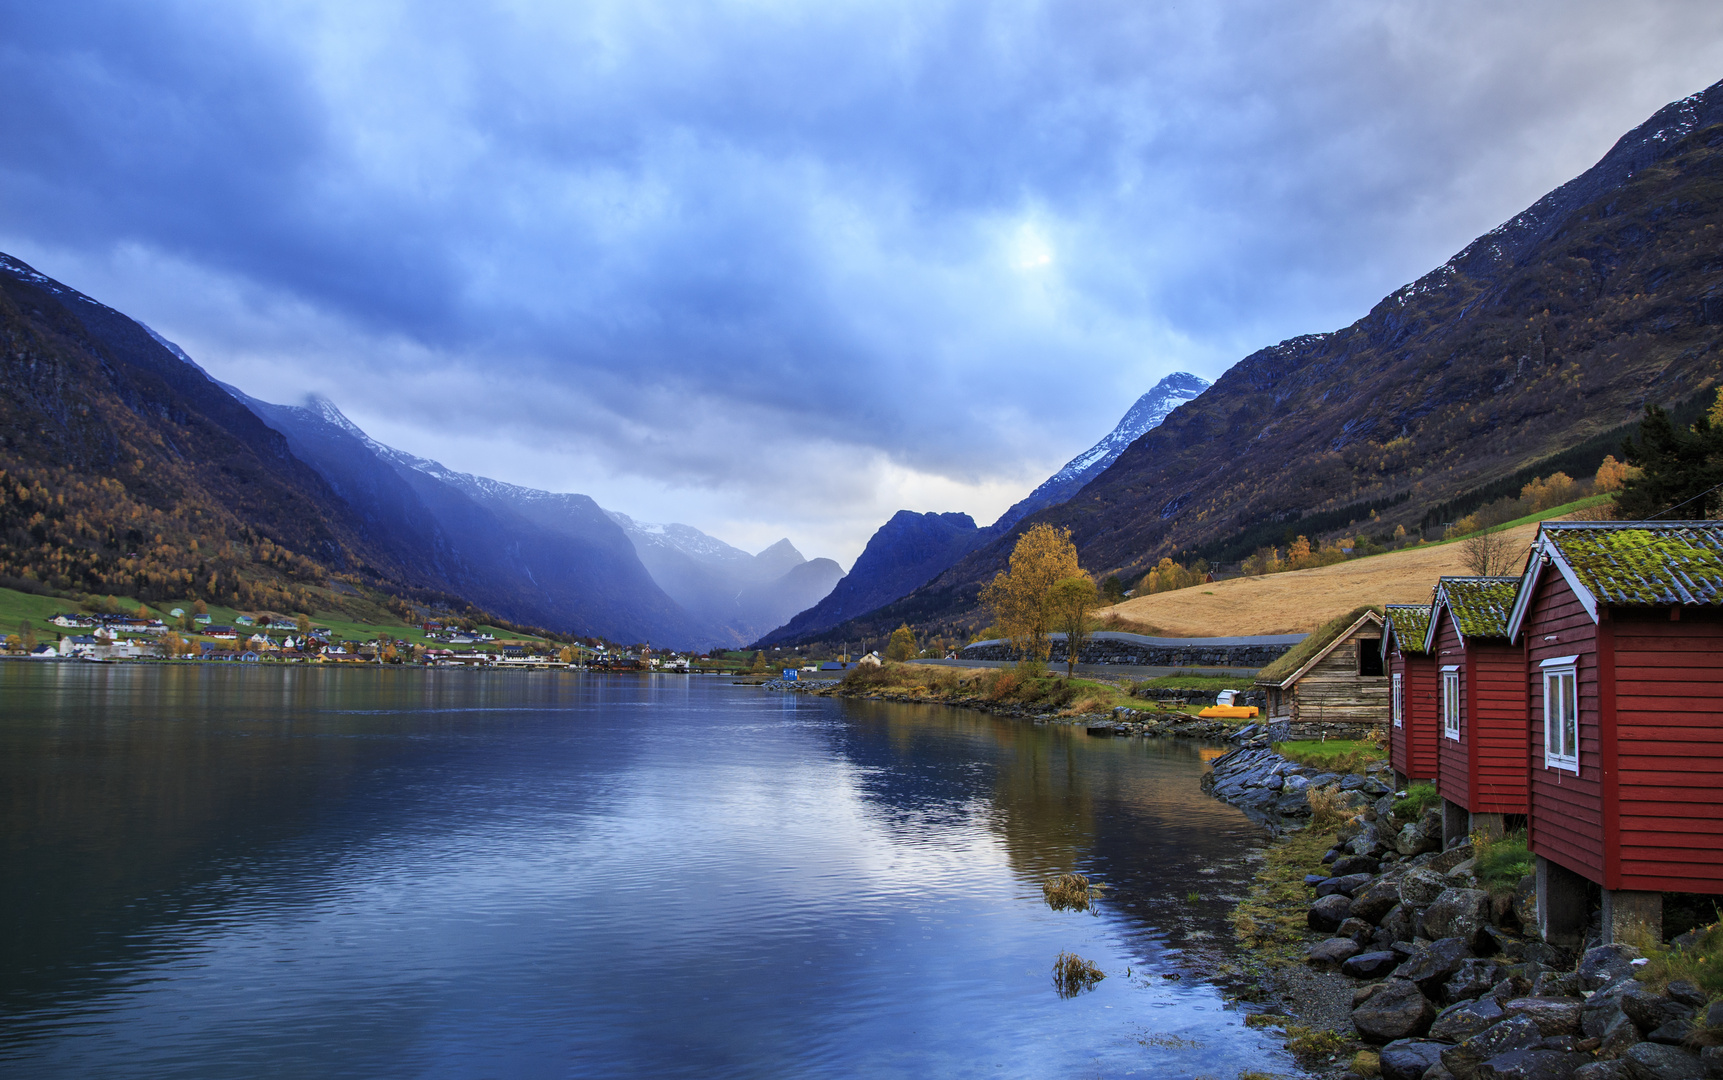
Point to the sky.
(774, 268)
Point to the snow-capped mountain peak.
(1147, 414)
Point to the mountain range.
(128, 470)
(912, 549)
(1534, 348)
(549, 557)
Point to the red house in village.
(1412, 693)
(1481, 740)
(1622, 626)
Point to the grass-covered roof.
(1643, 562)
(1312, 646)
(1479, 606)
(1411, 622)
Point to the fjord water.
(235, 871)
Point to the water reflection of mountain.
(140, 798)
(1129, 812)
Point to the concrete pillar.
(1561, 904)
(1401, 781)
(1456, 824)
(1632, 918)
(1488, 826)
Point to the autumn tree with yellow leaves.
(1074, 600)
(1020, 599)
(902, 644)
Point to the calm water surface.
(234, 872)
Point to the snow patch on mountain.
(1146, 415)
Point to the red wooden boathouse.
(1622, 623)
(1481, 679)
(1413, 719)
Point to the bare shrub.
(1070, 892)
(1327, 808)
(1072, 975)
(1488, 554)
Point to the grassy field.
(1215, 683)
(1298, 601)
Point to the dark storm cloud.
(702, 236)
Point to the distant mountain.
(1532, 349)
(738, 596)
(1146, 415)
(535, 557)
(909, 550)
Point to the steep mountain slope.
(1545, 332)
(128, 470)
(553, 560)
(1146, 415)
(907, 551)
(737, 596)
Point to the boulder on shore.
(1410, 1059)
(1329, 912)
(1397, 1011)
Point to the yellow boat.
(1229, 712)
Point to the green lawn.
(1216, 683)
(17, 608)
(1338, 754)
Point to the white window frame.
(1451, 701)
(1397, 699)
(1561, 722)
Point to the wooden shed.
(1413, 717)
(1481, 749)
(1622, 623)
(1331, 685)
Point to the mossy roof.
(1643, 562)
(1479, 606)
(1410, 622)
(1314, 647)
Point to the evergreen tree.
(1677, 470)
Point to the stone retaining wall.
(1130, 652)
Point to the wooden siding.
(1453, 766)
(1566, 811)
(1493, 717)
(1668, 822)
(1413, 747)
(1332, 692)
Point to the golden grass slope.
(1299, 601)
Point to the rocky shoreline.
(1446, 984)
